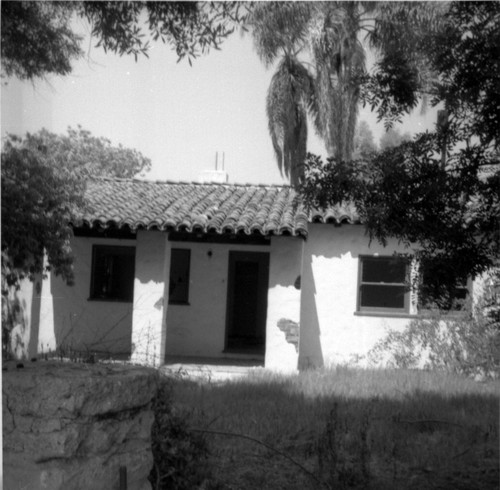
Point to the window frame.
(465, 285)
(185, 299)
(383, 309)
(111, 250)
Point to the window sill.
(111, 300)
(386, 314)
(421, 314)
(452, 315)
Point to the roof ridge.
(181, 182)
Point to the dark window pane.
(386, 270)
(448, 302)
(179, 276)
(123, 272)
(113, 271)
(382, 296)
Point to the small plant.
(180, 456)
(343, 451)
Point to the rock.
(72, 426)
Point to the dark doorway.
(247, 302)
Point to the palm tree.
(280, 31)
(322, 64)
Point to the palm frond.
(278, 28)
(287, 100)
(340, 61)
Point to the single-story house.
(218, 271)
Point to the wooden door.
(247, 302)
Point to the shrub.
(467, 343)
(180, 456)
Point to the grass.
(346, 428)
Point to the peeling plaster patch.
(291, 331)
(159, 304)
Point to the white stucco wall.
(331, 332)
(148, 322)
(283, 302)
(80, 323)
(199, 328)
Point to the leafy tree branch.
(38, 38)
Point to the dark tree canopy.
(38, 198)
(43, 180)
(439, 193)
(38, 40)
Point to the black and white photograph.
(250, 245)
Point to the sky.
(177, 115)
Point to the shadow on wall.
(86, 327)
(322, 244)
(310, 351)
(36, 304)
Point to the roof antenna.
(223, 158)
(216, 159)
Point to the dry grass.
(347, 428)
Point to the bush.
(180, 456)
(467, 343)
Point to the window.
(383, 285)
(179, 276)
(113, 270)
(455, 300)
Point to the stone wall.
(73, 426)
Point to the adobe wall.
(54, 315)
(331, 331)
(283, 304)
(199, 328)
(85, 324)
(150, 287)
(73, 426)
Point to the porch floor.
(211, 369)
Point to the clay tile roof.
(207, 208)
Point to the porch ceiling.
(206, 208)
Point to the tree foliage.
(326, 40)
(38, 198)
(441, 191)
(88, 155)
(43, 180)
(38, 39)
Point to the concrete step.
(209, 369)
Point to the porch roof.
(206, 208)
